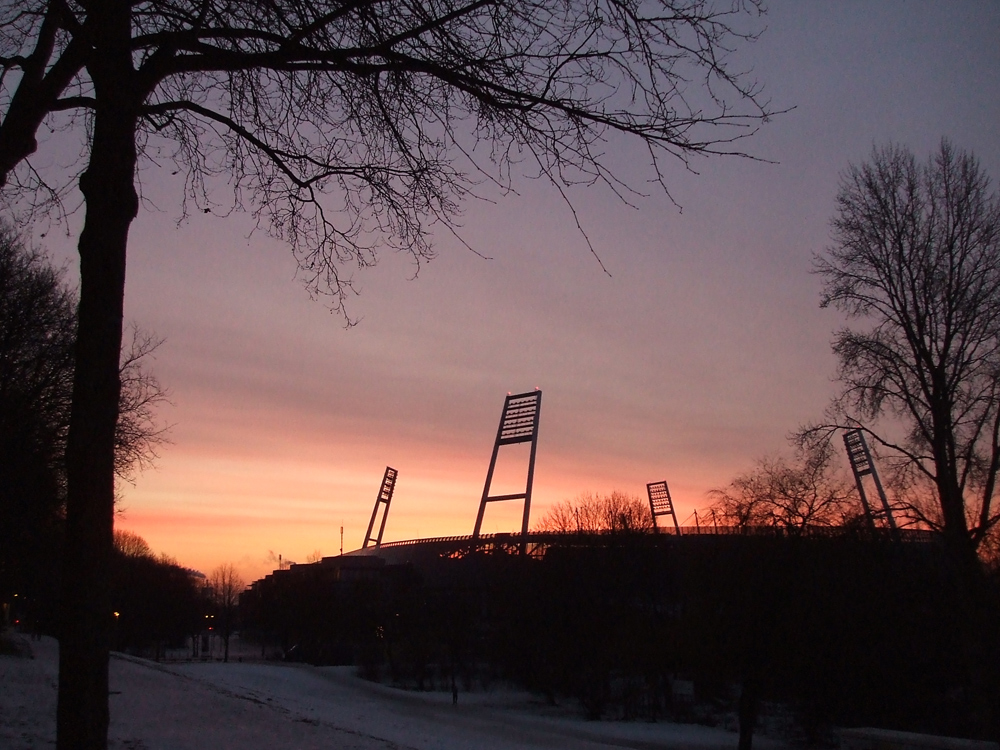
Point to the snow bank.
(269, 706)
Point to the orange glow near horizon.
(208, 507)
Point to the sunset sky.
(700, 352)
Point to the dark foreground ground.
(270, 706)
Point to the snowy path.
(273, 706)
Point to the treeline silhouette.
(156, 603)
(840, 630)
(38, 334)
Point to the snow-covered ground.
(274, 706)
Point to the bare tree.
(393, 111)
(793, 496)
(37, 324)
(744, 504)
(130, 544)
(37, 341)
(226, 585)
(916, 262)
(139, 432)
(594, 514)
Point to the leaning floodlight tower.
(381, 502)
(518, 424)
(660, 504)
(862, 466)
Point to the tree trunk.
(747, 712)
(956, 529)
(952, 501)
(111, 205)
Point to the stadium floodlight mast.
(383, 499)
(518, 424)
(862, 466)
(661, 504)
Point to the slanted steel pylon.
(660, 504)
(518, 424)
(384, 498)
(862, 465)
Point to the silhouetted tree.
(130, 544)
(589, 513)
(916, 261)
(37, 320)
(156, 602)
(139, 433)
(371, 103)
(37, 340)
(788, 495)
(226, 585)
